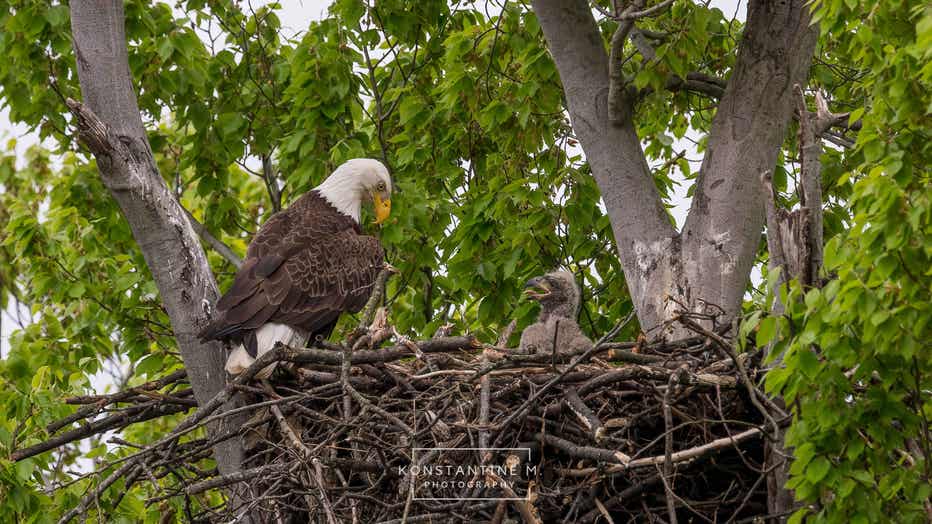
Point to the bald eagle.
(556, 324)
(306, 265)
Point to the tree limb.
(722, 231)
(618, 107)
(612, 149)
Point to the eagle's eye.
(381, 186)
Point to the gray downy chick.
(556, 325)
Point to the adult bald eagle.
(305, 266)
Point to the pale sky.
(295, 16)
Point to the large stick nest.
(621, 433)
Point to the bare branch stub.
(93, 132)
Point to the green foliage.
(858, 364)
(468, 112)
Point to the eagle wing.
(304, 267)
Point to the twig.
(620, 498)
(668, 448)
(233, 478)
(629, 14)
(525, 509)
(589, 420)
(95, 493)
(578, 360)
(691, 453)
(755, 395)
(117, 421)
(584, 452)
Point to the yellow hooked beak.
(383, 208)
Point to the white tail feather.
(266, 338)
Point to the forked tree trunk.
(706, 267)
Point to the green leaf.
(230, 124)
(873, 150)
(77, 290)
(766, 331)
(855, 115)
(808, 363)
(798, 516)
(166, 48)
(57, 15)
(817, 469)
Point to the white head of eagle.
(305, 266)
(355, 181)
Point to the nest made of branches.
(622, 432)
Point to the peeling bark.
(111, 126)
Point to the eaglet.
(556, 325)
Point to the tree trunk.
(722, 231)
(640, 224)
(169, 244)
(706, 267)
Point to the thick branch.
(685, 455)
(618, 106)
(117, 421)
(722, 231)
(234, 478)
(613, 150)
(374, 356)
(699, 83)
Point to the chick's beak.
(536, 289)
(383, 208)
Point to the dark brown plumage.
(305, 266)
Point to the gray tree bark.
(160, 226)
(708, 264)
(723, 228)
(642, 229)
